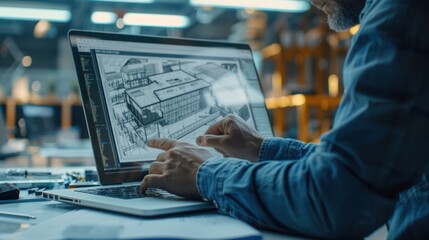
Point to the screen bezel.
(130, 176)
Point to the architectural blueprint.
(155, 97)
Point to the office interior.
(299, 61)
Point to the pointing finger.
(162, 143)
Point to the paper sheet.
(93, 224)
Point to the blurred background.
(299, 59)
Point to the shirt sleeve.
(284, 149)
(314, 196)
(347, 186)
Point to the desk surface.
(76, 153)
(46, 210)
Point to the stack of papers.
(93, 224)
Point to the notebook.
(136, 88)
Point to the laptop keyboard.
(129, 192)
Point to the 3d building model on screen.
(135, 71)
(154, 97)
(167, 99)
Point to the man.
(372, 165)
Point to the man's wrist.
(263, 149)
(211, 177)
(200, 176)
(256, 144)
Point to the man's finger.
(161, 157)
(223, 126)
(152, 181)
(162, 143)
(157, 168)
(215, 141)
(221, 152)
(216, 128)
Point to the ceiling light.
(125, 1)
(26, 61)
(156, 20)
(35, 14)
(120, 23)
(41, 29)
(271, 5)
(103, 17)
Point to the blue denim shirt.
(348, 185)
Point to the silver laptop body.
(135, 88)
(145, 206)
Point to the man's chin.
(338, 25)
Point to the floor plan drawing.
(155, 97)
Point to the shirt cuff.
(205, 178)
(280, 149)
(211, 177)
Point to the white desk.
(45, 210)
(81, 149)
(51, 153)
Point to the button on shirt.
(348, 184)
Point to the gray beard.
(346, 15)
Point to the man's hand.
(233, 138)
(175, 169)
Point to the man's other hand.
(175, 169)
(232, 137)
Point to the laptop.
(136, 88)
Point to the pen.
(18, 215)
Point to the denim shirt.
(348, 184)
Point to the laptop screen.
(144, 88)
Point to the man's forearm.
(311, 196)
(284, 149)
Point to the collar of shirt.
(367, 5)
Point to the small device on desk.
(30, 179)
(8, 148)
(8, 191)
